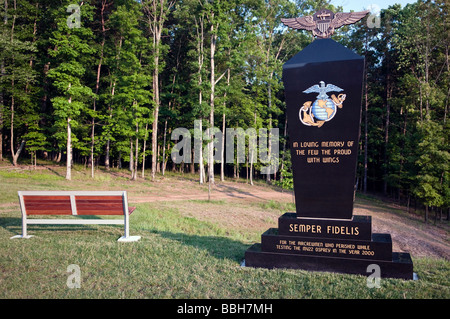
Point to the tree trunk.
(97, 84)
(164, 149)
(156, 111)
(199, 27)
(251, 168)
(131, 164)
(12, 126)
(192, 164)
(269, 96)
(108, 142)
(200, 159)
(222, 151)
(246, 169)
(69, 151)
(269, 146)
(92, 144)
(252, 158)
(69, 144)
(222, 163)
(110, 110)
(212, 98)
(136, 156)
(108, 148)
(17, 154)
(143, 150)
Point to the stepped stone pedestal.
(344, 246)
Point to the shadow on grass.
(234, 191)
(14, 226)
(218, 247)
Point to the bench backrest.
(73, 203)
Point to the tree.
(434, 163)
(17, 75)
(130, 98)
(156, 12)
(102, 13)
(70, 52)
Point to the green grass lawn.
(177, 257)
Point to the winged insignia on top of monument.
(324, 22)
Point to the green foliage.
(434, 165)
(288, 181)
(407, 93)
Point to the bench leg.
(126, 236)
(21, 236)
(24, 231)
(126, 223)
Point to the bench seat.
(75, 203)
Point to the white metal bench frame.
(50, 221)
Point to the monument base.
(400, 266)
(344, 246)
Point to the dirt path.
(185, 190)
(408, 232)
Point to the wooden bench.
(76, 203)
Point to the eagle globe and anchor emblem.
(324, 108)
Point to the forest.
(104, 84)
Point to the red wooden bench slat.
(105, 212)
(99, 212)
(45, 197)
(100, 198)
(99, 205)
(102, 207)
(40, 201)
(47, 205)
(49, 212)
(85, 203)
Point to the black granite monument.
(323, 90)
